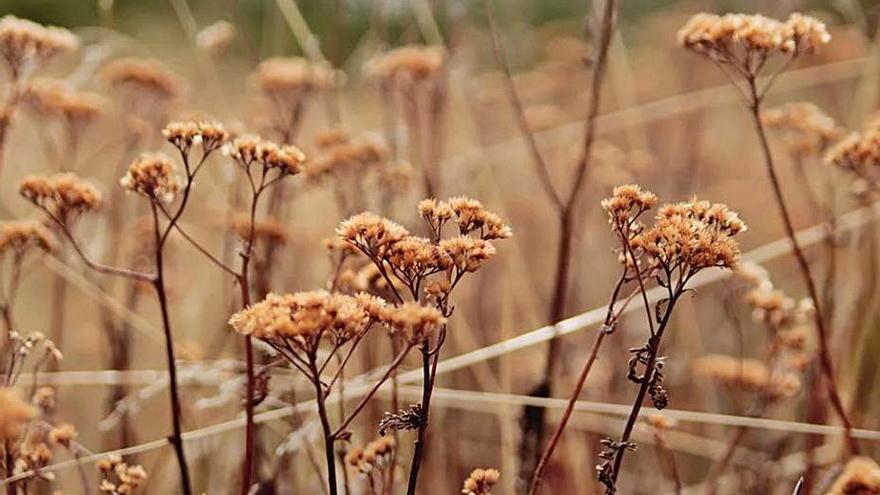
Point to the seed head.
(626, 203)
(15, 413)
(749, 374)
(281, 77)
(147, 75)
(216, 38)
(55, 98)
(412, 320)
(861, 475)
(20, 236)
(62, 434)
(480, 482)
(371, 233)
(467, 253)
(805, 128)
(152, 175)
(25, 44)
(184, 134)
(406, 65)
(64, 195)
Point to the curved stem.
(803, 265)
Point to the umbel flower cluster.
(406, 65)
(858, 154)
(480, 482)
(745, 41)
(64, 196)
(25, 44)
(805, 129)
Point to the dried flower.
(55, 98)
(805, 127)
(64, 195)
(149, 76)
(749, 374)
(472, 217)
(184, 134)
(480, 482)
(152, 175)
(62, 434)
(627, 203)
(407, 64)
(25, 44)
(15, 413)
(303, 317)
(467, 253)
(269, 229)
(860, 476)
(413, 321)
(119, 478)
(371, 233)
(285, 78)
(373, 458)
(216, 38)
(22, 235)
(731, 38)
(249, 149)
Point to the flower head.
(63, 195)
(152, 175)
(147, 75)
(184, 134)
(15, 413)
(407, 64)
(480, 482)
(20, 236)
(25, 44)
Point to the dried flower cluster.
(55, 98)
(185, 134)
(25, 44)
(373, 459)
(20, 236)
(15, 414)
(64, 195)
(859, 154)
(861, 475)
(341, 154)
(268, 229)
(120, 478)
(746, 41)
(806, 130)
(152, 175)
(247, 150)
(286, 79)
(748, 374)
(480, 482)
(406, 65)
(147, 75)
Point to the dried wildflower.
(341, 155)
(859, 154)
(62, 434)
(771, 306)
(184, 134)
(15, 413)
(149, 76)
(627, 203)
(44, 398)
(216, 38)
(749, 374)
(249, 149)
(805, 128)
(413, 321)
(25, 44)
(480, 482)
(692, 235)
(467, 253)
(63, 195)
(152, 175)
(20, 236)
(55, 98)
(119, 478)
(860, 476)
(414, 258)
(747, 40)
(305, 317)
(371, 233)
(406, 65)
(473, 217)
(373, 458)
(281, 77)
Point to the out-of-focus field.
(668, 121)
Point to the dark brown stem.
(804, 267)
(176, 438)
(419, 452)
(321, 400)
(606, 330)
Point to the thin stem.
(610, 321)
(321, 399)
(366, 398)
(419, 452)
(176, 438)
(804, 267)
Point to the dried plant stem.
(607, 329)
(329, 439)
(176, 438)
(565, 207)
(733, 440)
(419, 452)
(804, 267)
